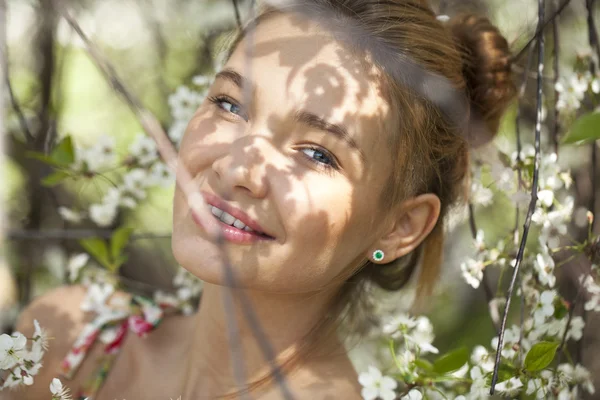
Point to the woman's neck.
(284, 322)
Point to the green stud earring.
(378, 255)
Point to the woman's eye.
(227, 106)
(320, 156)
(230, 106)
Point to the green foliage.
(540, 356)
(55, 178)
(585, 129)
(119, 240)
(451, 361)
(109, 255)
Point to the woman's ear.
(414, 220)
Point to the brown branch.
(489, 293)
(556, 71)
(540, 28)
(75, 234)
(533, 201)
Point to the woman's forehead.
(294, 63)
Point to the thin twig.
(534, 188)
(236, 9)
(556, 71)
(489, 293)
(595, 45)
(521, 94)
(573, 304)
(76, 234)
(540, 28)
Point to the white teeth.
(239, 224)
(217, 212)
(227, 218)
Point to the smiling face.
(292, 135)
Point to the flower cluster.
(19, 363)
(183, 103)
(572, 90)
(144, 171)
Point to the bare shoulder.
(59, 313)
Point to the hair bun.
(487, 72)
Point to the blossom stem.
(489, 295)
(534, 189)
(556, 70)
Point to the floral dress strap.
(111, 327)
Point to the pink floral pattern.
(112, 328)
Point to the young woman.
(331, 147)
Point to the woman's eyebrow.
(235, 78)
(339, 131)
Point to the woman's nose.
(244, 167)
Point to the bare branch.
(489, 293)
(556, 70)
(534, 188)
(540, 28)
(75, 234)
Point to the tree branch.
(533, 201)
(75, 234)
(540, 29)
(489, 293)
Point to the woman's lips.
(233, 234)
(229, 232)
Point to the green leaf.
(505, 372)
(540, 356)
(64, 152)
(451, 361)
(55, 178)
(120, 260)
(119, 240)
(43, 158)
(585, 129)
(98, 249)
(424, 364)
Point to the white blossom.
(96, 297)
(472, 271)
(70, 215)
(97, 157)
(544, 266)
(545, 307)
(161, 175)
(144, 150)
(375, 385)
(59, 392)
(103, 214)
(12, 349)
(510, 386)
(76, 262)
(413, 394)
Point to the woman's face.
(292, 137)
